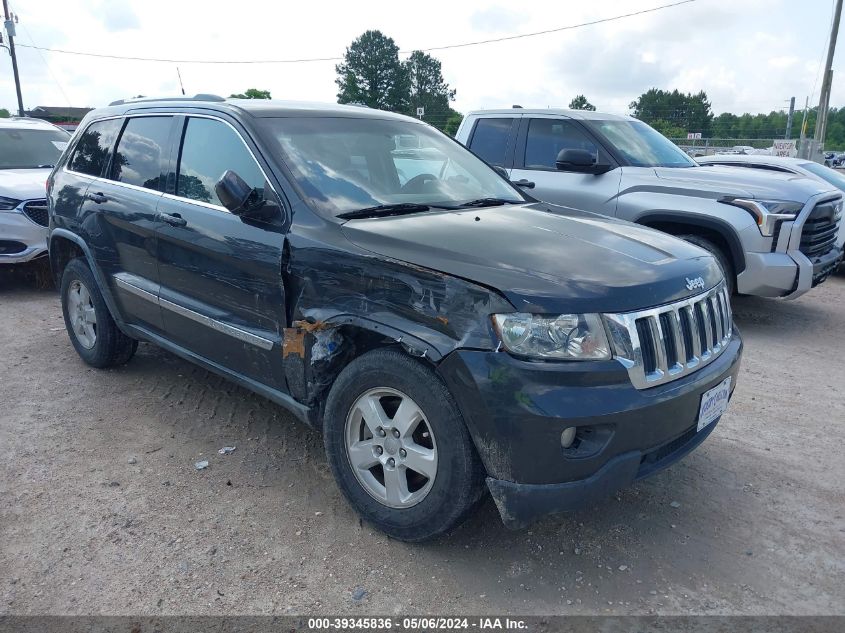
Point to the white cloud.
(748, 56)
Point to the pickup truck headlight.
(767, 213)
(563, 337)
(7, 204)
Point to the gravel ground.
(102, 511)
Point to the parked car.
(29, 148)
(770, 232)
(443, 331)
(783, 164)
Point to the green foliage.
(4, 113)
(428, 90)
(371, 74)
(580, 103)
(686, 112)
(252, 93)
(453, 122)
(668, 129)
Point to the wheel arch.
(315, 352)
(719, 232)
(64, 246)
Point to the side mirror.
(235, 194)
(580, 161)
(501, 171)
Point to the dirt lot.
(102, 511)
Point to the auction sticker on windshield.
(714, 403)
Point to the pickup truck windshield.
(341, 165)
(23, 149)
(642, 145)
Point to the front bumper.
(21, 239)
(516, 411)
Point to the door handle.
(523, 183)
(173, 219)
(98, 197)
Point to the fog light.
(567, 437)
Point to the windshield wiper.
(381, 210)
(488, 202)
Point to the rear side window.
(490, 140)
(547, 137)
(140, 150)
(209, 149)
(92, 150)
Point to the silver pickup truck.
(775, 235)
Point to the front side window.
(92, 150)
(140, 150)
(209, 149)
(490, 140)
(22, 148)
(642, 145)
(346, 164)
(547, 137)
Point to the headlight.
(7, 204)
(564, 337)
(767, 213)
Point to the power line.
(49, 70)
(334, 59)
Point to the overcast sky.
(748, 55)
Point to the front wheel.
(399, 448)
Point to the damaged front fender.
(344, 303)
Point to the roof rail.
(197, 97)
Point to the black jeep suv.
(364, 271)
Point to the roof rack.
(197, 97)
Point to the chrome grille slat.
(673, 340)
(659, 344)
(680, 345)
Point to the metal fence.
(710, 146)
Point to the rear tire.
(92, 330)
(370, 446)
(719, 254)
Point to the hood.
(544, 258)
(24, 184)
(747, 183)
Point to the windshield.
(346, 164)
(642, 145)
(826, 173)
(22, 149)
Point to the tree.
(371, 74)
(4, 113)
(453, 123)
(580, 103)
(667, 129)
(690, 112)
(252, 93)
(428, 90)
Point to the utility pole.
(824, 97)
(10, 30)
(789, 119)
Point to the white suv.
(29, 148)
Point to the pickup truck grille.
(36, 210)
(820, 229)
(662, 344)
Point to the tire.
(99, 343)
(442, 501)
(719, 254)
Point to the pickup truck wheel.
(399, 449)
(93, 332)
(719, 254)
